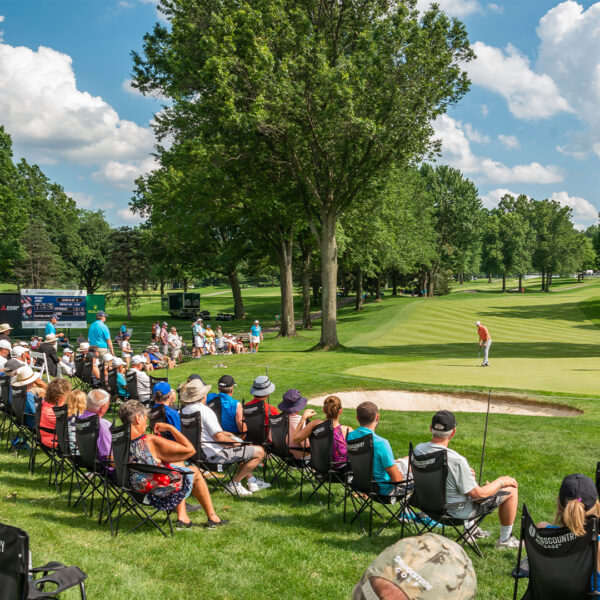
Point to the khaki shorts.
(233, 454)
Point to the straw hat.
(194, 391)
(51, 337)
(83, 347)
(24, 376)
(5, 327)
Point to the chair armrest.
(51, 566)
(143, 468)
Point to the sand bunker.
(432, 401)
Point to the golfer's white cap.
(477, 322)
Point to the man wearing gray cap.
(425, 567)
(461, 485)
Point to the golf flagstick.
(487, 416)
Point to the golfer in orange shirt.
(485, 341)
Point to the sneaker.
(214, 524)
(237, 489)
(180, 525)
(254, 485)
(487, 364)
(511, 542)
(479, 533)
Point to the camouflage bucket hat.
(425, 567)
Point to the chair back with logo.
(360, 457)
(79, 366)
(62, 429)
(86, 434)
(14, 563)
(121, 438)
(191, 427)
(430, 472)
(215, 405)
(112, 382)
(279, 430)
(19, 400)
(131, 379)
(157, 415)
(86, 371)
(560, 564)
(254, 417)
(321, 447)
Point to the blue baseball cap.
(101, 313)
(163, 387)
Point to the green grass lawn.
(275, 547)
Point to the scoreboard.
(37, 306)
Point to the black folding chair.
(131, 502)
(365, 492)
(325, 471)
(430, 472)
(256, 432)
(66, 470)
(6, 414)
(24, 432)
(560, 565)
(191, 427)
(287, 464)
(92, 469)
(77, 379)
(37, 445)
(131, 385)
(19, 582)
(113, 389)
(156, 415)
(216, 407)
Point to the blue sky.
(530, 123)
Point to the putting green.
(540, 342)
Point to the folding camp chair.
(37, 445)
(95, 473)
(191, 427)
(6, 414)
(77, 379)
(157, 415)
(131, 385)
(215, 405)
(112, 386)
(65, 469)
(325, 471)
(560, 565)
(365, 492)
(18, 581)
(20, 416)
(430, 472)
(40, 364)
(128, 500)
(256, 432)
(287, 464)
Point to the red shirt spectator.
(55, 396)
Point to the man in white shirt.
(174, 343)
(461, 485)
(67, 363)
(193, 398)
(4, 353)
(142, 378)
(198, 331)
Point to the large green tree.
(334, 92)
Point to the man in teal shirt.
(51, 327)
(384, 463)
(99, 335)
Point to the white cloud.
(475, 136)
(510, 141)
(123, 174)
(127, 215)
(127, 87)
(529, 95)
(82, 200)
(485, 111)
(456, 151)
(51, 119)
(495, 8)
(454, 8)
(491, 199)
(570, 53)
(582, 209)
(1, 18)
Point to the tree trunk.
(306, 260)
(489, 278)
(185, 284)
(461, 278)
(287, 327)
(329, 271)
(520, 282)
(503, 283)
(162, 287)
(128, 302)
(543, 280)
(394, 282)
(430, 283)
(238, 303)
(378, 288)
(359, 290)
(548, 281)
